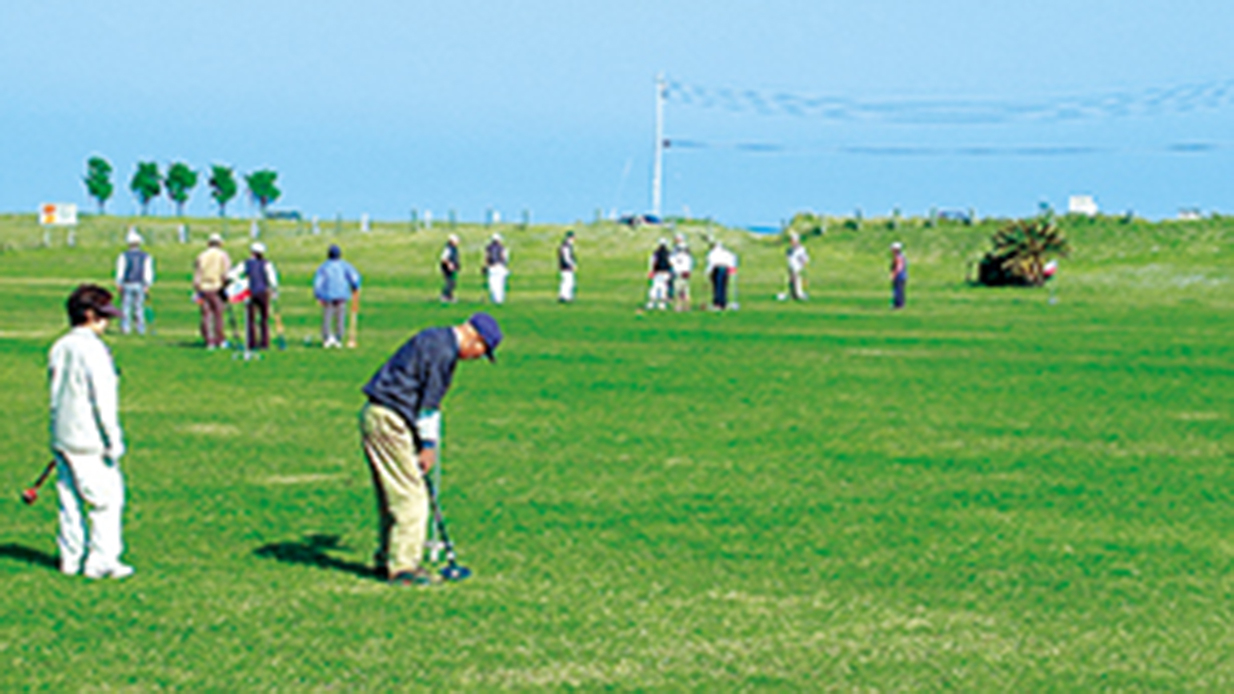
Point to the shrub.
(1021, 250)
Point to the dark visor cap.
(489, 331)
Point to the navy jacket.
(417, 377)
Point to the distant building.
(1082, 204)
(1190, 214)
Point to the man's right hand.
(428, 458)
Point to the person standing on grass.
(450, 266)
(210, 272)
(899, 276)
(683, 264)
(400, 429)
(335, 282)
(721, 263)
(567, 265)
(263, 282)
(496, 268)
(797, 258)
(86, 440)
(660, 272)
(134, 275)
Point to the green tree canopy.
(180, 180)
(222, 186)
(262, 188)
(147, 183)
(98, 180)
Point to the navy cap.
(486, 325)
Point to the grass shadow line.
(312, 551)
(29, 555)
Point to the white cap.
(132, 237)
(496, 236)
(215, 238)
(258, 247)
(453, 238)
(895, 246)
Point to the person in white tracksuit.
(497, 268)
(797, 258)
(86, 440)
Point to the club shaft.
(45, 473)
(438, 518)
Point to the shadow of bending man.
(29, 555)
(313, 551)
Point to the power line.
(1066, 150)
(1183, 98)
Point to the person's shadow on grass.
(312, 551)
(34, 557)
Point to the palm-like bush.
(1021, 250)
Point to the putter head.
(454, 572)
(29, 496)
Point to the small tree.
(222, 186)
(98, 180)
(147, 183)
(262, 188)
(1020, 252)
(180, 180)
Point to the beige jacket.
(210, 270)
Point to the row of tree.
(148, 182)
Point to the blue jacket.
(335, 281)
(417, 377)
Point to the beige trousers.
(402, 499)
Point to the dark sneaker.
(418, 576)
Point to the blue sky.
(547, 105)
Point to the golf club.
(148, 310)
(280, 337)
(231, 322)
(353, 331)
(452, 571)
(32, 494)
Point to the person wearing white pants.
(567, 265)
(87, 441)
(497, 268)
(660, 272)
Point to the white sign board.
(58, 214)
(1082, 204)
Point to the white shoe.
(117, 572)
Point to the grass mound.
(999, 489)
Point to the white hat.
(453, 238)
(258, 247)
(132, 237)
(215, 239)
(896, 245)
(496, 236)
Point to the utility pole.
(657, 173)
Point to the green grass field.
(990, 491)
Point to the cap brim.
(110, 311)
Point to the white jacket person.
(86, 440)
